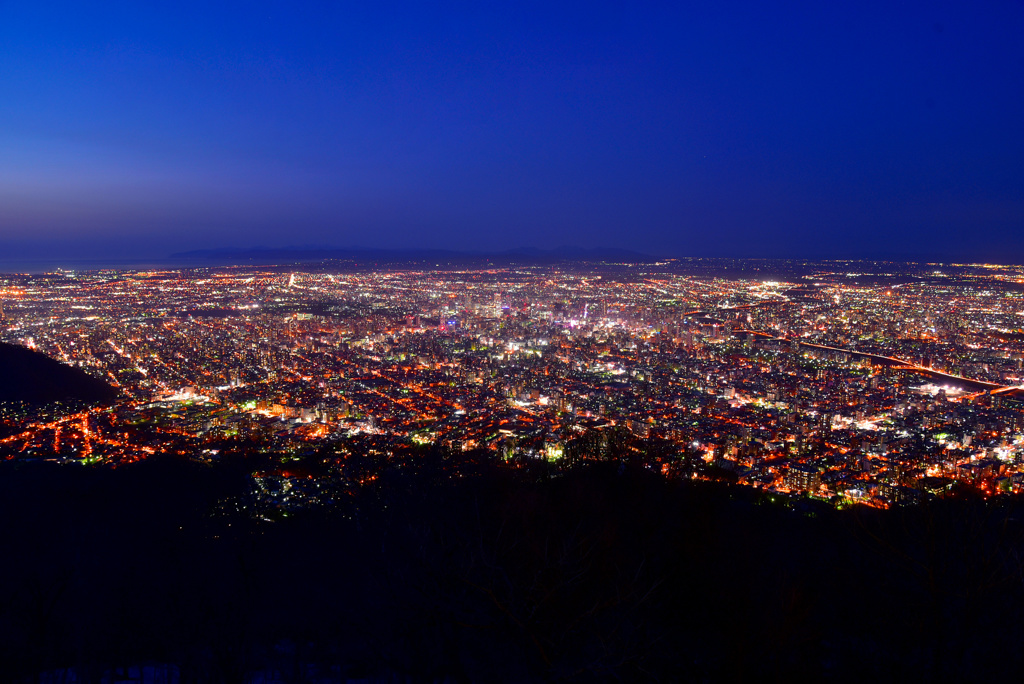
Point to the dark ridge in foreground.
(29, 376)
(606, 573)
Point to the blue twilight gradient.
(712, 128)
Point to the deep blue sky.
(827, 129)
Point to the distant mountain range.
(27, 375)
(236, 255)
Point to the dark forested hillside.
(29, 376)
(603, 573)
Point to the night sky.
(817, 129)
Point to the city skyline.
(511, 342)
(885, 380)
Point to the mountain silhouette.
(27, 375)
(532, 255)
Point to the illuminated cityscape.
(379, 343)
(850, 382)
